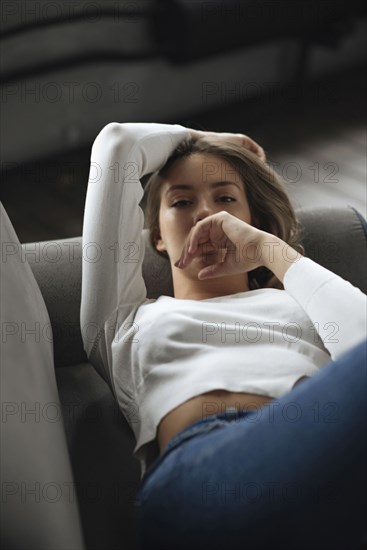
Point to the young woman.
(246, 389)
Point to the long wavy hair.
(267, 196)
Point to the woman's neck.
(185, 288)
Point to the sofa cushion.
(101, 447)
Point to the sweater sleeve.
(336, 308)
(113, 248)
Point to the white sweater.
(156, 354)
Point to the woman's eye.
(223, 197)
(227, 197)
(178, 202)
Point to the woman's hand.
(238, 139)
(233, 245)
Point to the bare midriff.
(204, 405)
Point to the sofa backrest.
(333, 237)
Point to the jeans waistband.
(206, 424)
(198, 427)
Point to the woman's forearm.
(278, 256)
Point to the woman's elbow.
(113, 136)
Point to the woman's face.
(196, 187)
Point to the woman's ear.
(159, 244)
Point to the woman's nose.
(204, 210)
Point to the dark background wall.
(299, 90)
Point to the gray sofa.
(99, 439)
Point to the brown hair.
(268, 200)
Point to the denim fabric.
(290, 475)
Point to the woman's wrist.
(237, 139)
(278, 256)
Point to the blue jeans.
(290, 475)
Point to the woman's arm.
(337, 309)
(113, 251)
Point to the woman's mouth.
(208, 249)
